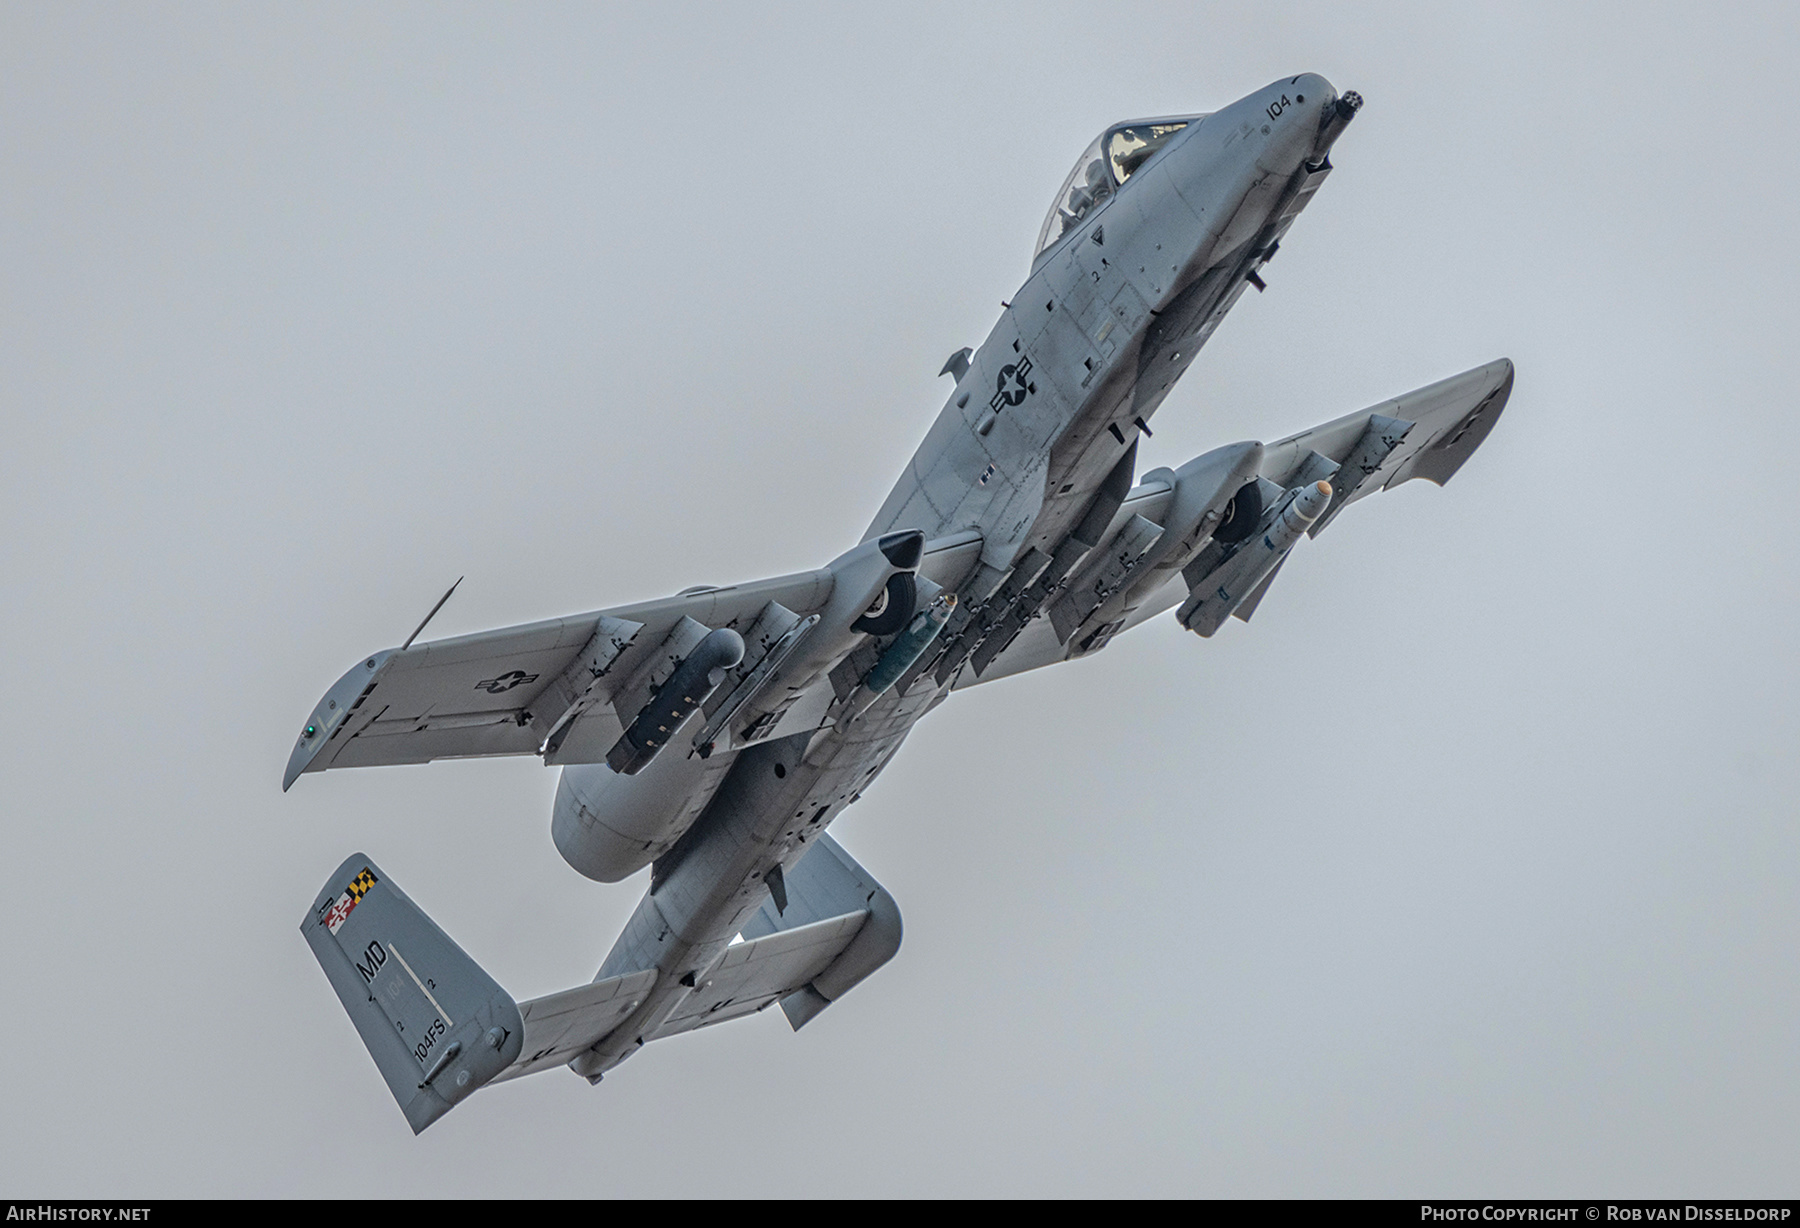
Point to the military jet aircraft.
(714, 735)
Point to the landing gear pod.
(437, 1026)
(893, 609)
(1241, 515)
(873, 592)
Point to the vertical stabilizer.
(437, 1026)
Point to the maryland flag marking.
(345, 904)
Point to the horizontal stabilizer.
(560, 1025)
(437, 1026)
(755, 974)
(827, 882)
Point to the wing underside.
(564, 687)
(1428, 433)
(567, 687)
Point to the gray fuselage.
(1044, 413)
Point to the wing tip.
(296, 767)
(1441, 461)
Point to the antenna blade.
(430, 616)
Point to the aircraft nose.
(1317, 90)
(1292, 112)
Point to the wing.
(1428, 433)
(503, 692)
(565, 687)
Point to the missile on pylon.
(1214, 596)
(907, 647)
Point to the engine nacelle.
(608, 826)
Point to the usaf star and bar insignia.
(1013, 384)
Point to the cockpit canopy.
(1103, 168)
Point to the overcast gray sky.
(1470, 867)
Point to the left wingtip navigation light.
(344, 697)
(333, 711)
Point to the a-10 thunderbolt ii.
(714, 735)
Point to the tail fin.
(437, 1026)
